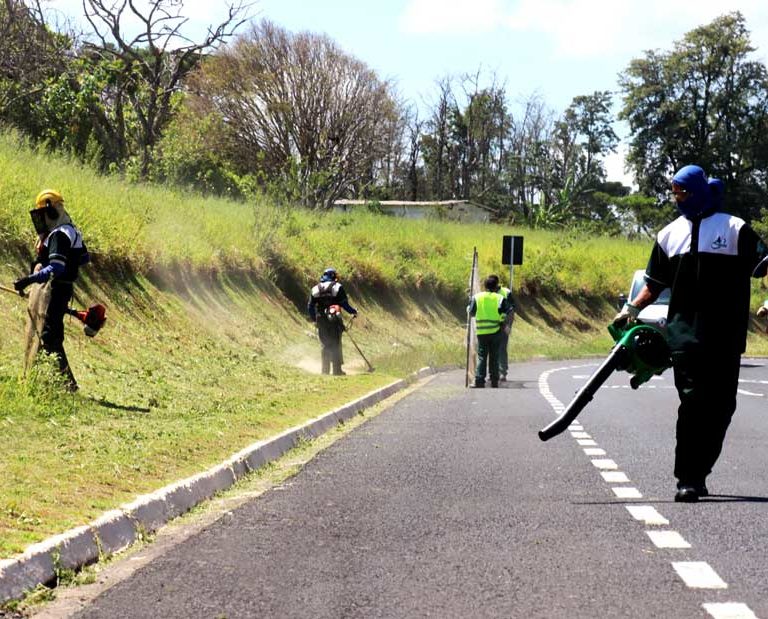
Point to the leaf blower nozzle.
(640, 350)
(93, 318)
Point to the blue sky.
(556, 48)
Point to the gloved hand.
(762, 311)
(20, 284)
(627, 315)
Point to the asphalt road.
(448, 505)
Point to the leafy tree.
(705, 102)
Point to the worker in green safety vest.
(490, 310)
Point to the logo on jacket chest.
(720, 242)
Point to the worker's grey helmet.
(329, 275)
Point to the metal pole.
(511, 262)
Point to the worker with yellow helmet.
(60, 254)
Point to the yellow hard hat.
(48, 197)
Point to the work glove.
(762, 311)
(627, 316)
(20, 284)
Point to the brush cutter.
(640, 350)
(93, 318)
(368, 363)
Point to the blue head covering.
(329, 275)
(699, 200)
(718, 191)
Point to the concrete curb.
(117, 529)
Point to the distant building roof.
(413, 203)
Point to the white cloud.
(588, 28)
(614, 167)
(584, 28)
(451, 16)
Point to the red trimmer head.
(93, 318)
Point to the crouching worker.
(324, 308)
(490, 309)
(60, 253)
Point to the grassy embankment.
(206, 348)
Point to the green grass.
(206, 348)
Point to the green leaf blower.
(641, 350)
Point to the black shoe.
(495, 385)
(701, 490)
(479, 385)
(687, 494)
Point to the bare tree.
(301, 108)
(414, 129)
(150, 60)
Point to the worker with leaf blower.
(60, 254)
(326, 301)
(703, 255)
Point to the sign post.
(512, 254)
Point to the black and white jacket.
(707, 262)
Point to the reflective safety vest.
(487, 317)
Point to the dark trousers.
(503, 355)
(706, 385)
(329, 333)
(52, 336)
(487, 358)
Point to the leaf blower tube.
(641, 350)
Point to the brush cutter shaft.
(368, 363)
(18, 293)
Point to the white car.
(656, 313)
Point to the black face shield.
(38, 220)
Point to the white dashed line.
(614, 477)
(647, 514)
(698, 575)
(695, 574)
(667, 539)
(605, 463)
(729, 610)
(594, 451)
